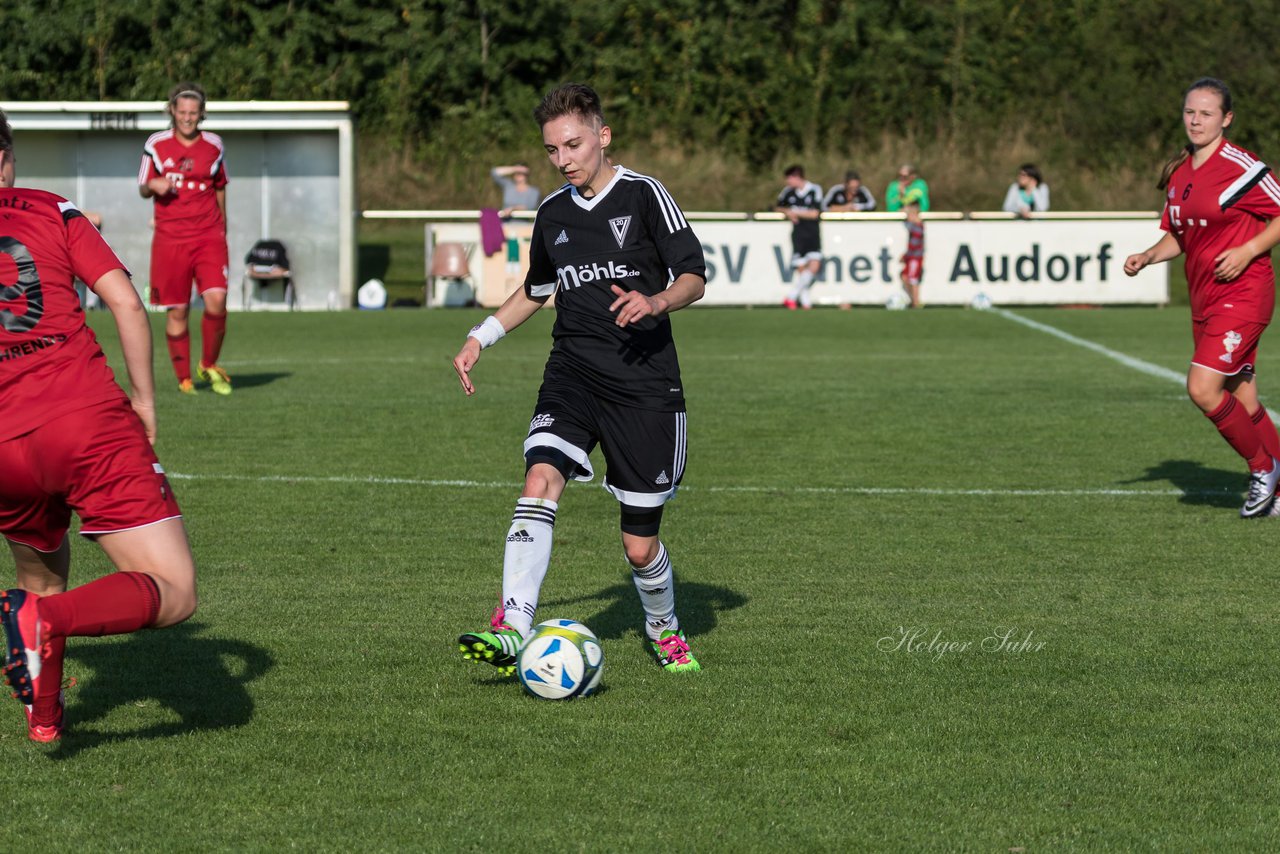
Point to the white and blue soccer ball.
(897, 301)
(560, 659)
(981, 301)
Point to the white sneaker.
(1262, 492)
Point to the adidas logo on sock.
(563, 238)
(662, 479)
(520, 536)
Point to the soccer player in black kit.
(616, 251)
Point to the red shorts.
(912, 270)
(174, 264)
(96, 461)
(1226, 345)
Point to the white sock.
(526, 559)
(656, 585)
(800, 294)
(806, 292)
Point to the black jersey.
(808, 197)
(632, 234)
(838, 195)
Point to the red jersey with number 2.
(1220, 205)
(50, 362)
(189, 211)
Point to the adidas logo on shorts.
(662, 479)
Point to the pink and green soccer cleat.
(672, 652)
(497, 646)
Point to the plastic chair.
(266, 264)
(450, 262)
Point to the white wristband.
(488, 332)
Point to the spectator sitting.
(906, 182)
(849, 196)
(1028, 194)
(517, 193)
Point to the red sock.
(1266, 431)
(1237, 428)
(115, 604)
(213, 328)
(44, 706)
(180, 353)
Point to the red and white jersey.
(1220, 205)
(50, 362)
(197, 171)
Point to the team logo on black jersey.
(563, 238)
(620, 226)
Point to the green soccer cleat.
(186, 387)
(672, 652)
(218, 379)
(497, 646)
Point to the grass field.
(872, 499)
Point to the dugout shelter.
(290, 164)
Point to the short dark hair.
(570, 99)
(1032, 172)
(794, 169)
(851, 176)
(6, 133)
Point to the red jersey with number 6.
(1220, 205)
(190, 209)
(50, 362)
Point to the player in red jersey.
(1222, 208)
(72, 440)
(184, 171)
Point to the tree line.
(753, 78)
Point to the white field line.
(371, 480)
(1115, 355)
(1124, 359)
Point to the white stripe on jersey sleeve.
(222, 152)
(1251, 176)
(545, 289)
(553, 194)
(1236, 155)
(1271, 188)
(65, 206)
(149, 148)
(670, 210)
(1246, 160)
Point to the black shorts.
(644, 450)
(805, 244)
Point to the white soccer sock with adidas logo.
(656, 585)
(525, 562)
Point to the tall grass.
(969, 169)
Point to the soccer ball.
(897, 301)
(560, 660)
(981, 301)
